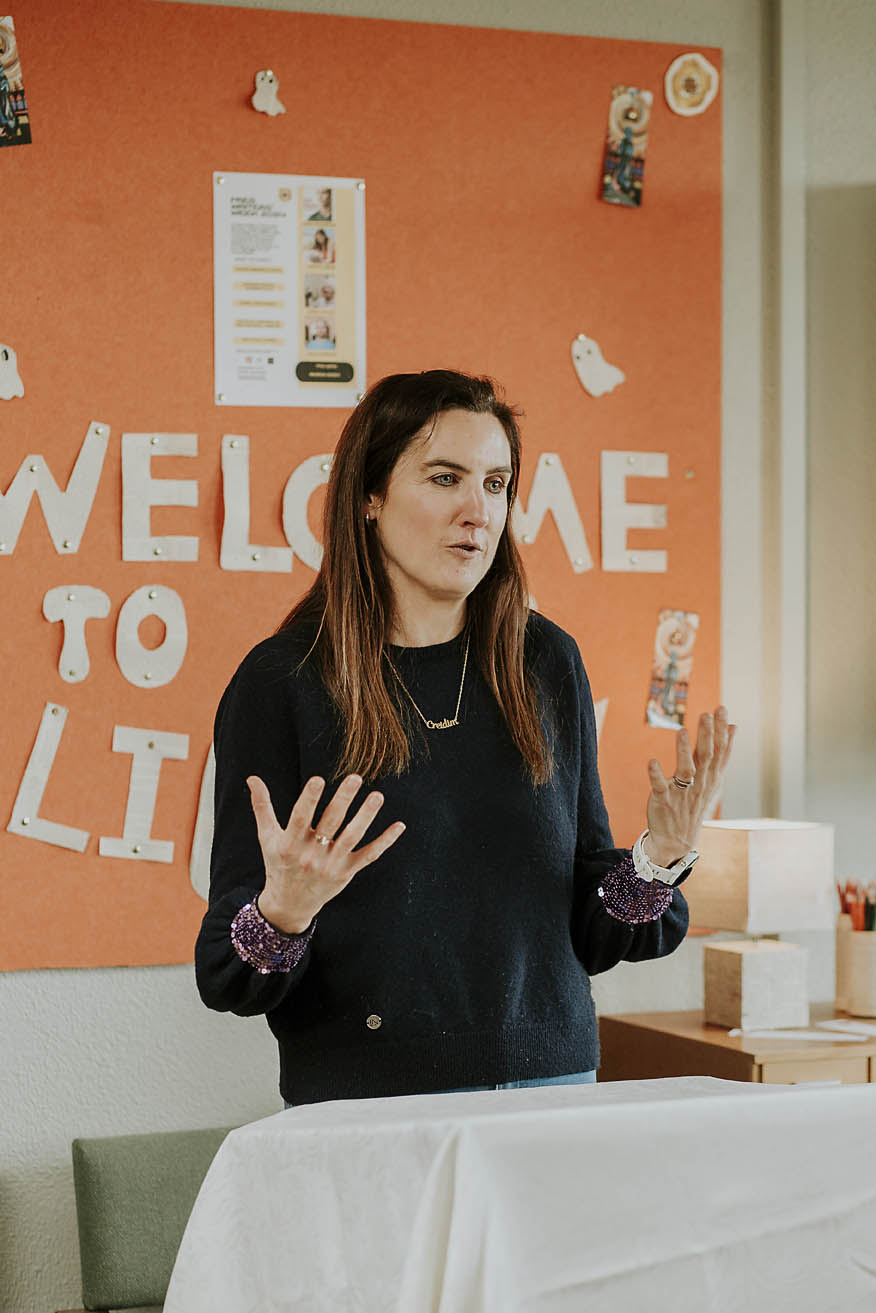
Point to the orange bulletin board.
(488, 248)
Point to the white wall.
(841, 276)
(112, 1051)
(104, 1052)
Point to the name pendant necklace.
(437, 724)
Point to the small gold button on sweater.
(374, 1022)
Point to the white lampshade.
(763, 876)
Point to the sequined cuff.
(627, 898)
(257, 943)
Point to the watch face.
(683, 867)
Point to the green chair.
(134, 1194)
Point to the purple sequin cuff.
(257, 943)
(628, 898)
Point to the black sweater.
(473, 936)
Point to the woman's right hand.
(302, 871)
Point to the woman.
(450, 948)
(324, 196)
(323, 249)
(319, 335)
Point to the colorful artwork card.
(14, 118)
(671, 668)
(625, 144)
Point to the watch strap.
(648, 870)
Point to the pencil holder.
(843, 928)
(855, 970)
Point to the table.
(682, 1195)
(636, 1045)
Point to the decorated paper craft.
(237, 552)
(671, 669)
(10, 380)
(141, 491)
(14, 118)
(202, 839)
(66, 512)
(25, 819)
(151, 667)
(691, 84)
(599, 710)
(264, 98)
(73, 604)
(620, 515)
(595, 374)
(147, 748)
(300, 486)
(551, 491)
(626, 142)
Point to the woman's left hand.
(675, 813)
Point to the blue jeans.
(574, 1078)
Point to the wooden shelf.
(645, 1045)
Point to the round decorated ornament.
(691, 84)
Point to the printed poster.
(289, 290)
(14, 118)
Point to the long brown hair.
(351, 598)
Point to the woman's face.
(445, 509)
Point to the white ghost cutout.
(10, 381)
(264, 98)
(595, 374)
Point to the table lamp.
(761, 877)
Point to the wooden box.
(763, 876)
(756, 984)
(855, 969)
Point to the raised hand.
(677, 807)
(305, 868)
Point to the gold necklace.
(436, 724)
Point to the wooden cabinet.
(642, 1045)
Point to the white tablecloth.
(691, 1195)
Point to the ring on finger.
(322, 839)
(683, 784)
